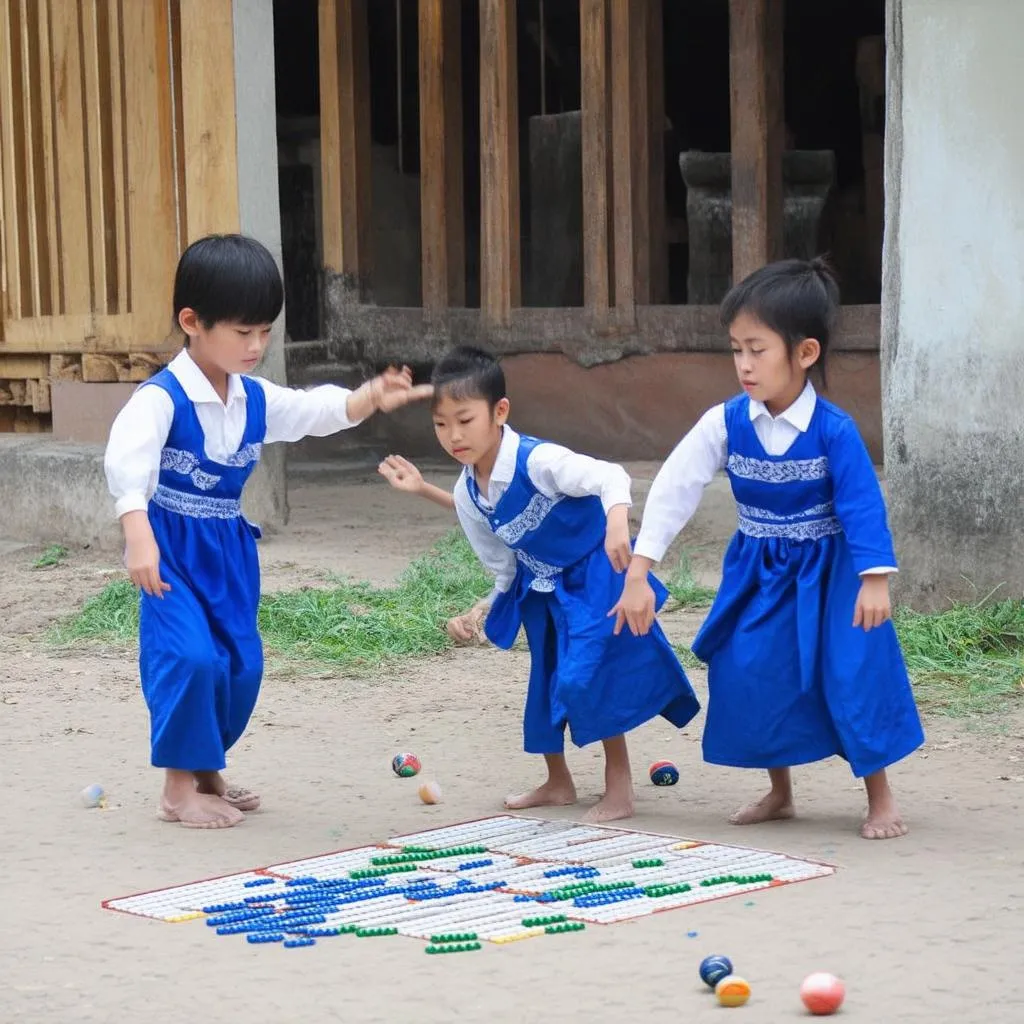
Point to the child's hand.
(142, 560)
(467, 627)
(401, 474)
(873, 605)
(394, 388)
(635, 608)
(616, 538)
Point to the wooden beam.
(345, 141)
(657, 215)
(594, 126)
(500, 278)
(208, 116)
(631, 154)
(625, 135)
(14, 141)
(756, 104)
(23, 367)
(442, 229)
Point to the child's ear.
(188, 321)
(501, 412)
(808, 352)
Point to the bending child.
(803, 660)
(553, 528)
(179, 454)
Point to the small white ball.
(93, 796)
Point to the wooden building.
(535, 204)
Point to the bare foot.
(883, 827)
(213, 783)
(883, 820)
(199, 810)
(551, 794)
(773, 807)
(611, 807)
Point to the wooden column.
(345, 141)
(633, 171)
(442, 230)
(756, 103)
(628, 139)
(595, 119)
(208, 117)
(655, 64)
(500, 278)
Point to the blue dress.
(200, 653)
(581, 675)
(790, 679)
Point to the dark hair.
(467, 372)
(228, 278)
(797, 299)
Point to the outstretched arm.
(293, 413)
(404, 476)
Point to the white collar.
(798, 414)
(197, 386)
(505, 463)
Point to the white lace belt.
(808, 529)
(198, 506)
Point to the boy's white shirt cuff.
(136, 502)
(614, 497)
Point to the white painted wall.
(953, 296)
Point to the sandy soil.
(926, 928)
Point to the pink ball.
(822, 993)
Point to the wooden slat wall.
(624, 246)
(113, 115)
(86, 111)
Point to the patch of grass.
(53, 555)
(687, 657)
(683, 586)
(111, 616)
(356, 624)
(967, 660)
(352, 624)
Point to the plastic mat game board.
(494, 880)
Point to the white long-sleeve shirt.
(703, 452)
(555, 472)
(139, 433)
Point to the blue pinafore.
(581, 675)
(790, 680)
(200, 653)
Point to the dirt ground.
(926, 928)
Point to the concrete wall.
(266, 495)
(953, 296)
